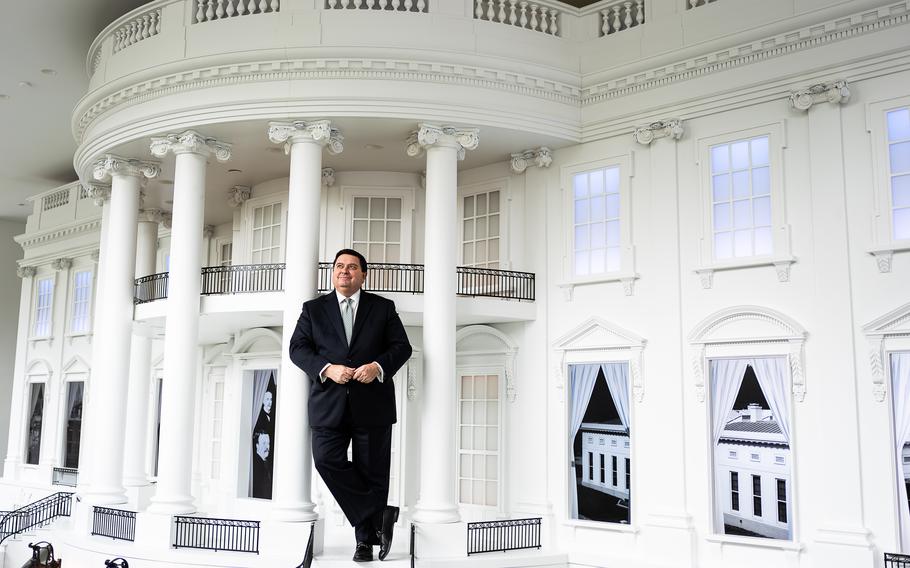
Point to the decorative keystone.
(59, 264)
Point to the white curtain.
(773, 378)
(726, 378)
(900, 394)
(260, 386)
(581, 385)
(617, 375)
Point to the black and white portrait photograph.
(262, 440)
(600, 483)
(750, 405)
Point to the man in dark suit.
(351, 343)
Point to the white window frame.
(406, 194)
(90, 301)
(35, 376)
(50, 308)
(781, 257)
(626, 273)
(883, 245)
(505, 198)
(243, 251)
(70, 376)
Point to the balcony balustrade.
(381, 277)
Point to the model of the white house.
(653, 257)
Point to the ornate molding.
(110, 165)
(96, 255)
(412, 382)
(59, 264)
(541, 157)
(836, 92)
(698, 371)
(638, 386)
(238, 194)
(880, 335)
(45, 237)
(328, 177)
(672, 128)
(26, 271)
(151, 215)
(706, 277)
(98, 193)
(190, 142)
(318, 131)
(883, 260)
(208, 231)
(783, 271)
(428, 135)
(628, 286)
(796, 371)
(167, 219)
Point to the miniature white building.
(660, 183)
(606, 461)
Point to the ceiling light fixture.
(235, 171)
(24, 84)
(49, 71)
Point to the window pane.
(613, 206)
(742, 243)
(480, 228)
(467, 438)
(377, 208)
(493, 250)
(464, 491)
(492, 439)
(582, 237)
(581, 211)
(477, 470)
(491, 494)
(761, 181)
(722, 216)
(899, 124)
(480, 413)
(493, 387)
(35, 419)
(394, 208)
(720, 159)
(580, 183)
(494, 225)
(901, 223)
(721, 185)
(762, 209)
(479, 439)
(613, 259)
(377, 231)
(257, 217)
(742, 214)
(723, 245)
(598, 235)
(468, 253)
(393, 232)
(763, 244)
(597, 208)
(276, 214)
(740, 185)
(492, 470)
(613, 233)
(597, 182)
(469, 206)
(481, 201)
(494, 202)
(900, 191)
(480, 251)
(493, 412)
(376, 254)
(759, 151)
(900, 158)
(598, 261)
(467, 387)
(612, 175)
(469, 229)
(467, 412)
(393, 253)
(739, 152)
(581, 263)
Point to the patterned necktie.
(347, 316)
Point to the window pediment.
(596, 333)
(890, 332)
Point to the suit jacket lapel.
(363, 312)
(333, 311)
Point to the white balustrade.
(210, 10)
(540, 16)
(393, 5)
(622, 16)
(141, 27)
(698, 3)
(56, 199)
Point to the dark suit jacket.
(378, 335)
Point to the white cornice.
(40, 238)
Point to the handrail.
(893, 560)
(36, 514)
(67, 476)
(207, 533)
(114, 523)
(500, 536)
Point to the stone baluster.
(156, 22)
(210, 11)
(554, 28)
(421, 5)
(544, 20)
(241, 7)
(523, 20)
(383, 4)
(534, 17)
(219, 9)
(200, 11)
(408, 4)
(274, 5)
(628, 20)
(491, 10)
(229, 10)
(640, 14)
(263, 5)
(501, 13)
(396, 4)
(616, 21)
(604, 22)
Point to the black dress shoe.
(363, 552)
(389, 518)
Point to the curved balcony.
(381, 277)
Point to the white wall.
(10, 252)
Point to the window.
(731, 454)
(73, 418)
(35, 420)
(43, 307)
(613, 443)
(628, 474)
(217, 419)
(603, 476)
(481, 229)
(615, 473)
(82, 295)
(376, 228)
(741, 198)
(591, 466)
(755, 457)
(780, 460)
(157, 439)
(596, 222)
(782, 500)
(898, 125)
(226, 253)
(734, 490)
(756, 495)
(266, 247)
(478, 474)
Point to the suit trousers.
(360, 486)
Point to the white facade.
(684, 182)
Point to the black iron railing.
(217, 534)
(36, 514)
(413, 541)
(499, 536)
(494, 283)
(67, 476)
(897, 560)
(115, 523)
(242, 279)
(150, 288)
(381, 277)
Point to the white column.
(137, 402)
(173, 494)
(16, 419)
(444, 146)
(304, 141)
(113, 327)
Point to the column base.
(435, 514)
(301, 511)
(176, 505)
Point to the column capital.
(672, 127)
(541, 157)
(190, 142)
(110, 165)
(151, 215)
(26, 271)
(836, 92)
(99, 193)
(59, 264)
(238, 194)
(318, 131)
(428, 135)
(328, 177)
(208, 231)
(167, 219)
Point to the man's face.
(347, 276)
(267, 402)
(262, 445)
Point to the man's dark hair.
(352, 252)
